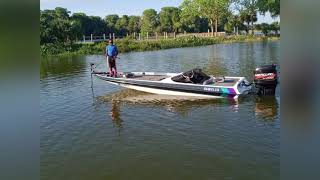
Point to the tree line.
(60, 26)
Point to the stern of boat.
(243, 86)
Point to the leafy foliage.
(149, 21)
(169, 19)
(267, 28)
(55, 26)
(249, 10)
(272, 6)
(134, 24)
(212, 10)
(234, 22)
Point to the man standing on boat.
(111, 54)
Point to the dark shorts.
(111, 61)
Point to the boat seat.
(209, 81)
(129, 75)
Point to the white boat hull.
(166, 92)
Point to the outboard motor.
(266, 79)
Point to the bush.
(129, 44)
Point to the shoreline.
(131, 45)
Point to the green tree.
(275, 26)
(79, 23)
(272, 6)
(111, 21)
(134, 24)
(194, 24)
(247, 17)
(96, 25)
(190, 21)
(77, 29)
(46, 27)
(249, 11)
(86, 25)
(176, 19)
(264, 27)
(122, 25)
(55, 26)
(213, 10)
(169, 19)
(149, 21)
(234, 23)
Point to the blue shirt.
(111, 50)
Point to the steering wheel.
(188, 78)
(192, 74)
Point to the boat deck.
(150, 78)
(227, 83)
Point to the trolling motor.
(92, 69)
(92, 72)
(265, 80)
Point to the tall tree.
(169, 19)
(149, 21)
(46, 27)
(111, 21)
(275, 27)
(191, 21)
(234, 23)
(96, 25)
(213, 10)
(55, 26)
(249, 10)
(264, 27)
(134, 24)
(79, 23)
(272, 6)
(176, 19)
(245, 16)
(122, 25)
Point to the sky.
(129, 7)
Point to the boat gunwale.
(213, 94)
(173, 82)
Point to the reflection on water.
(216, 61)
(115, 114)
(179, 104)
(266, 107)
(64, 65)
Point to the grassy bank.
(128, 45)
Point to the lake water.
(112, 133)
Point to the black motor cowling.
(266, 79)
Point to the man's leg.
(112, 65)
(109, 65)
(115, 69)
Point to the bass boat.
(192, 83)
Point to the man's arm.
(106, 51)
(116, 51)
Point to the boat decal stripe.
(231, 91)
(223, 92)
